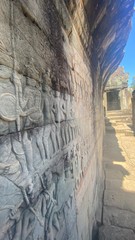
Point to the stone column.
(105, 102)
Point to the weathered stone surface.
(53, 62)
(115, 233)
(119, 199)
(119, 192)
(119, 217)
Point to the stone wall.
(125, 96)
(51, 116)
(121, 100)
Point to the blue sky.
(129, 59)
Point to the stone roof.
(110, 23)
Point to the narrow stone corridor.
(56, 57)
(119, 170)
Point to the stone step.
(129, 133)
(119, 116)
(113, 113)
(125, 131)
(120, 119)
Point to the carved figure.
(39, 136)
(64, 133)
(47, 103)
(73, 130)
(24, 153)
(28, 152)
(32, 96)
(56, 108)
(14, 106)
(46, 135)
(52, 115)
(24, 224)
(9, 165)
(58, 136)
(20, 154)
(62, 106)
(51, 207)
(68, 165)
(55, 137)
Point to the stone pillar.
(105, 102)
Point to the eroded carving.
(16, 103)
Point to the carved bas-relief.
(20, 99)
(42, 209)
(32, 96)
(25, 158)
(53, 69)
(26, 102)
(39, 161)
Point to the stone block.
(6, 54)
(115, 233)
(119, 199)
(119, 217)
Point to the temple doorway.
(113, 100)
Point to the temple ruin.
(55, 59)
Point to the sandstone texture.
(55, 58)
(116, 233)
(119, 166)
